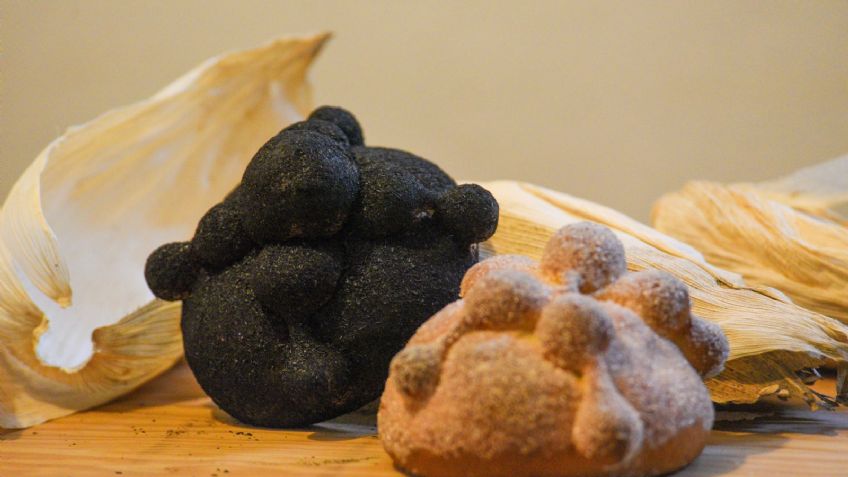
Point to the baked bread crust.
(566, 367)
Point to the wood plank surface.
(169, 428)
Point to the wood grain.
(170, 428)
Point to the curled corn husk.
(78, 326)
(817, 190)
(782, 234)
(771, 339)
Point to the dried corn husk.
(817, 190)
(770, 337)
(78, 225)
(782, 233)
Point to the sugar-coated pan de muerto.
(567, 367)
(301, 285)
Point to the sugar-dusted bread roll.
(567, 367)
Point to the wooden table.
(169, 428)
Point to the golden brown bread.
(568, 367)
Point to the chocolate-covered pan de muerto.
(300, 286)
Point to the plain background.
(613, 101)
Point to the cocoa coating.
(305, 281)
(389, 192)
(320, 126)
(220, 238)
(171, 271)
(470, 211)
(344, 120)
(301, 184)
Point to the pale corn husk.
(770, 337)
(817, 190)
(782, 233)
(78, 225)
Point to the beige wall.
(614, 101)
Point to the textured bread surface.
(302, 284)
(567, 367)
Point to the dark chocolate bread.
(302, 284)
